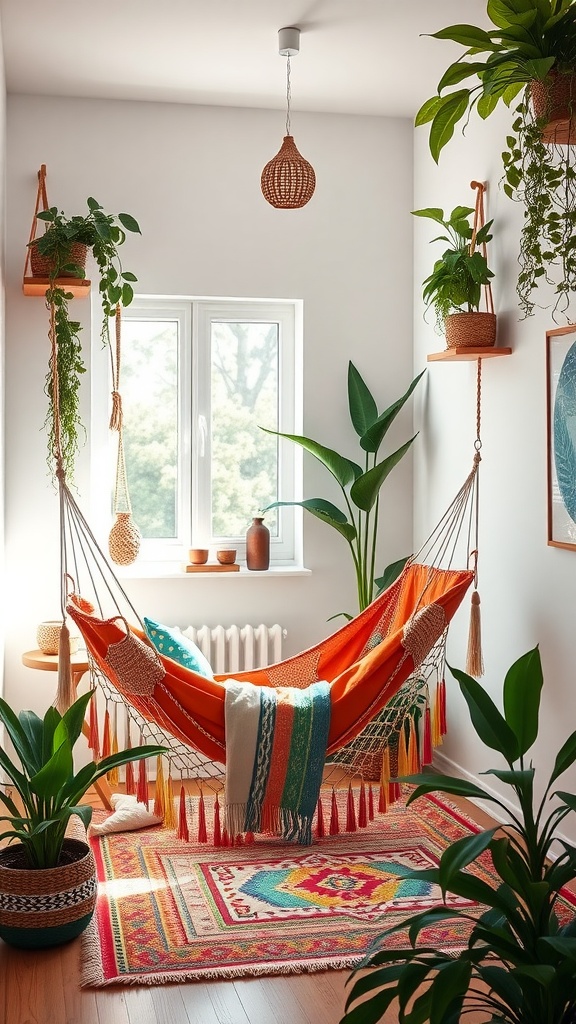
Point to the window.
(199, 379)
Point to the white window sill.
(166, 571)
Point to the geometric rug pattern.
(172, 911)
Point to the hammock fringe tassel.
(474, 661)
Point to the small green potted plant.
(519, 964)
(60, 254)
(360, 485)
(530, 52)
(47, 880)
(454, 288)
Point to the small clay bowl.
(198, 556)
(227, 556)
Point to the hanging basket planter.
(554, 100)
(473, 330)
(43, 266)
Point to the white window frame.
(195, 316)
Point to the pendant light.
(288, 180)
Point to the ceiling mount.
(288, 42)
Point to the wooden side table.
(79, 665)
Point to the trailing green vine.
(63, 422)
(542, 176)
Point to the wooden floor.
(43, 988)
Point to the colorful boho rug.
(171, 911)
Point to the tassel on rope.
(217, 826)
(370, 804)
(334, 827)
(413, 757)
(427, 739)
(106, 740)
(169, 809)
(142, 784)
(159, 790)
(350, 811)
(94, 732)
(320, 827)
(248, 838)
(130, 778)
(65, 692)
(474, 660)
(183, 832)
(362, 809)
(202, 833)
(113, 776)
(403, 763)
(443, 725)
(437, 718)
(225, 837)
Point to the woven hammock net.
(385, 667)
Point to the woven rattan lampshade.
(288, 180)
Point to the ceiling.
(356, 56)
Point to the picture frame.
(561, 435)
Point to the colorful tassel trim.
(427, 754)
(334, 827)
(159, 791)
(142, 785)
(113, 776)
(320, 827)
(350, 811)
(362, 809)
(183, 832)
(202, 832)
(94, 732)
(169, 809)
(217, 825)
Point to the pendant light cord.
(288, 95)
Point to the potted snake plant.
(528, 55)
(519, 963)
(47, 879)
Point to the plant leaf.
(342, 469)
(564, 758)
(449, 113)
(129, 223)
(489, 723)
(365, 489)
(374, 435)
(391, 574)
(363, 408)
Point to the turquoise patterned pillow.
(173, 644)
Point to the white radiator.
(237, 648)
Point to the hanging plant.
(58, 254)
(531, 51)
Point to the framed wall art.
(561, 417)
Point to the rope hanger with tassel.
(474, 660)
(124, 539)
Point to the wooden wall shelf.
(467, 354)
(40, 285)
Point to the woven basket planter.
(42, 266)
(124, 539)
(470, 330)
(555, 100)
(48, 906)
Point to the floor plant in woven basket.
(60, 255)
(360, 485)
(454, 289)
(519, 965)
(48, 880)
(528, 55)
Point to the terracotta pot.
(42, 266)
(471, 330)
(227, 556)
(41, 907)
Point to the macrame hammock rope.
(384, 669)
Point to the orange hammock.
(365, 662)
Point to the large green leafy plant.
(458, 276)
(47, 785)
(519, 965)
(532, 42)
(360, 485)
(103, 234)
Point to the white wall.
(2, 345)
(191, 177)
(528, 589)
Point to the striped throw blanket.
(275, 749)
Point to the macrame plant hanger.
(476, 225)
(124, 539)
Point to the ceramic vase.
(258, 545)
